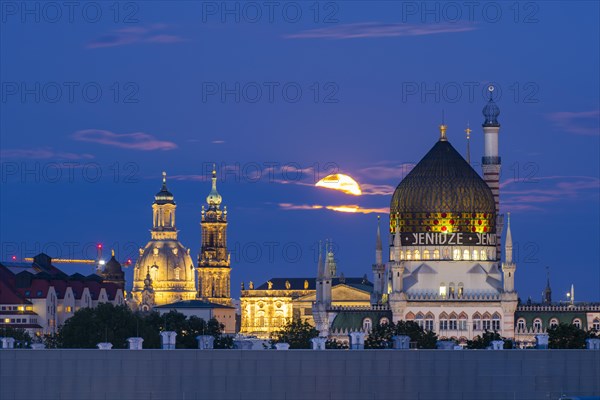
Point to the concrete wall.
(297, 374)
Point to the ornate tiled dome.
(443, 193)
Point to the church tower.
(164, 260)
(214, 269)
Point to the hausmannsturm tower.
(214, 267)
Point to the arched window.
(460, 290)
(475, 255)
(429, 322)
(476, 322)
(451, 290)
(419, 319)
(486, 321)
(483, 255)
(443, 292)
(446, 255)
(466, 255)
(537, 325)
(417, 255)
(426, 255)
(408, 255)
(410, 316)
(367, 324)
(436, 254)
(596, 324)
(553, 323)
(453, 323)
(496, 322)
(384, 321)
(577, 323)
(456, 254)
(443, 321)
(402, 254)
(521, 325)
(462, 322)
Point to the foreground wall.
(297, 374)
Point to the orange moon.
(341, 182)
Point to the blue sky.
(97, 101)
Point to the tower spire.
(508, 244)
(214, 198)
(164, 180)
(547, 295)
(468, 131)
(320, 270)
(378, 247)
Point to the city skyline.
(174, 100)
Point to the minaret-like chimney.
(491, 161)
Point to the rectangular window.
(486, 324)
(462, 325)
(453, 325)
(496, 325)
(308, 311)
(477, 325)
(443, 325)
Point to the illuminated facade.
(164, 272)
(268, 307)
(214, 261)
(39, 297)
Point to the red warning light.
(99, 245)
(14, 258)
(129, 261)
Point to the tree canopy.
(381, 335)
(297, 334)
(567, 336)
(114, 324)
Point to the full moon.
(341, 182)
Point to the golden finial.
(468, 131)
(164, 174)
(443, 132)
(112, 252)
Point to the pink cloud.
(352, 208)
(41, 154)
(379, 29)
(529, 195)
(579, 123)
(135, 141)
(132, 35)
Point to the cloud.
(135, 141)
(378, 30)
(353, 208)
(579, 123)
(133, 35)
(43, 154)
(533, 194)
(218, 142)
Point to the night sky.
(98, 100)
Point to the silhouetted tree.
(567, 336)
(297, 333)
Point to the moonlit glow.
(341, 182)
